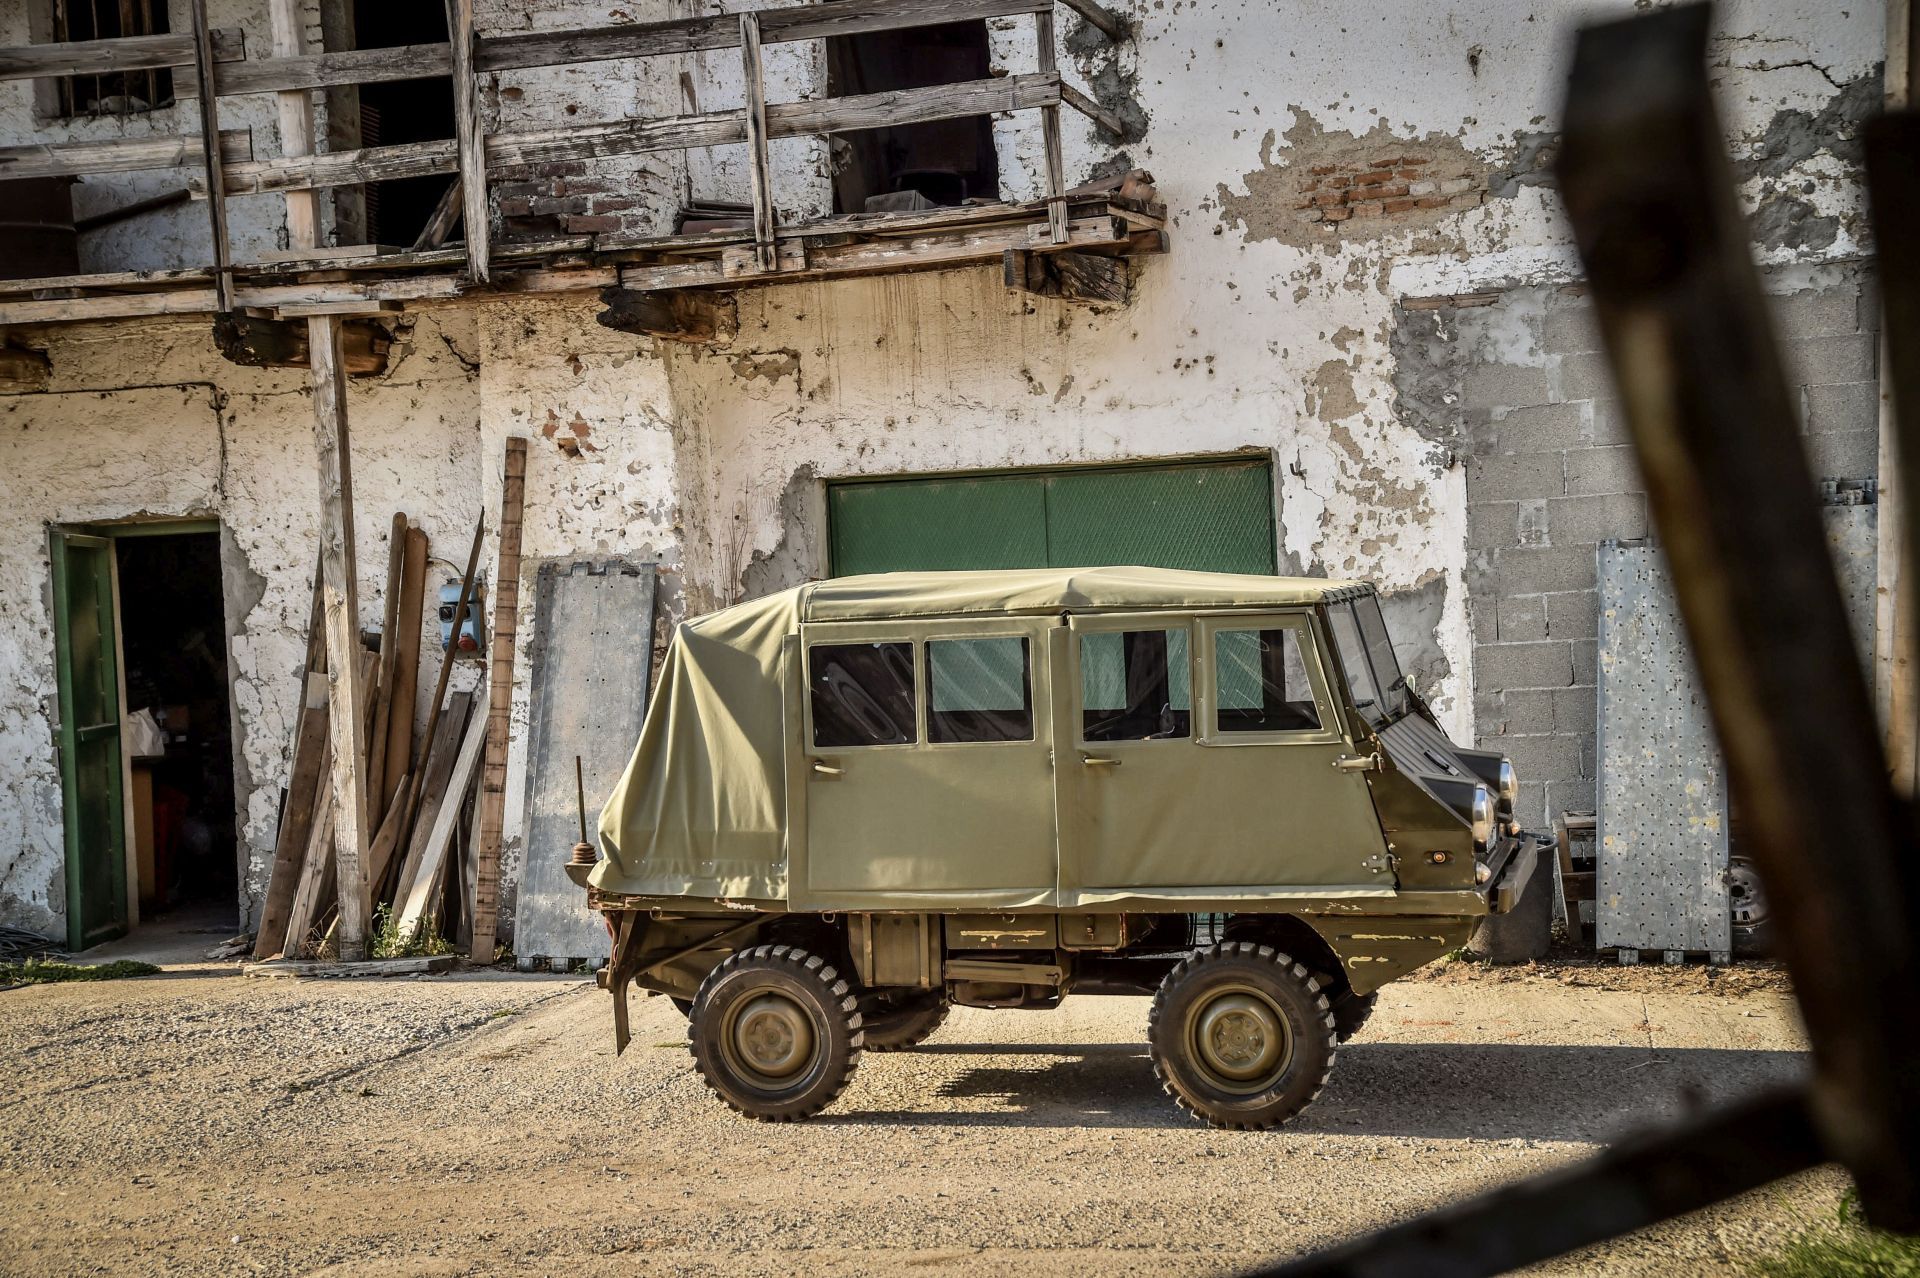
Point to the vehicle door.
(1205, 758)
(928, 773)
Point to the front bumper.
(1513, 859)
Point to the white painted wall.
(1253, 333)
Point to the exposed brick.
(1584, 376)
(576, 224)
(1502, 386)
(1327, 199)
(1546, 570)
(1826, 312)
(1456, 186)
(1433, 201)
(1602, 470)
(1491, 525)
(1575, 708)
(1573, 521)
(1814, 361)
(1549, 758)
(514, 206)
(1847, 454)
(1336, 214)
(1524, 665)
(1508, 478)
(560, 168)
(1422, 186)
(1573, 614)
(1522, 618)
(1321, 170)
(580, 186)
(1368, 208)
(613, 204)
(1391, 207)
(1842, 407)
(1542, 428)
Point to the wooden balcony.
(1073, 244)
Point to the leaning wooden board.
(591, 658)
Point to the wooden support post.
(493, 776)
(1098, 16)
(445, 214)
(1091, 279)
(759, 171)
(1050, 132)
(472, 140)
(1896, 651)
(347, 721)
(211, 156)
(296, 124)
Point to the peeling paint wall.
(1322, 164)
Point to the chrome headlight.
(1509, 785)
(1482, 816)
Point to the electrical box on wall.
(473, 640)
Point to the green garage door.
(1215, 516)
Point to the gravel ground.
(200, 1122)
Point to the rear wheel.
(775, 1032)
(1351, 1012)
(1241, 1035)
(897, 1027)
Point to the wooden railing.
(211, 64)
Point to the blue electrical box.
(472, 638)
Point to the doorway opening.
(912, 166)
(397, 210)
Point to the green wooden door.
(1211, 516)
(89, 738)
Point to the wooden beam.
(1050, 132)
(107, 57)
(295, 110)
(327, 70)
(493, 778)
(119, 155)
(1091, 279)
(1101, 18)
(759, 170)
(297, 812)
(197, 301)
(254, 342)
(1092, 110)
(409, 618)
(342, 168)
(371, 967)
(472, 138)
(697, 318)
(347, 718)
(414, 900)
(377, 732)
(23, 369)
(211, 161)
(445, 214)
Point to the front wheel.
(1241, 1035)
(775, 1032)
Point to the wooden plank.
(1092, 110)
(118, 155)
(253, 342)
(914, 106)
(413, 581)
(1088, 278)
(423, 889)
(104, 279)
(1050, 132)
(493, 781)
(703, 319)
(273, 296)
(316, 866)
(369, 967)
(211, 158)
(389, 670)
(472, 139)
(433, 776)
(445, 214)
(326, 70)
(759, 171)
(343, 168)
(1098, 16)
(295, 110)
(107, 57)
(117, 306)
(348, 787)
(296, 818)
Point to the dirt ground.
(201, 1122)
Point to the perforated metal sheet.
(591, 658)
(1663, 793)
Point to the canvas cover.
(701, 808)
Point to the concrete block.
(1555, 758)
(1575, 709)
(1816, 361)
(1493, 525)
(1586, 660)
(1522, 618)
(1570, 327)
(1585, 376)
(1546, 569)
(1532, 528)
(1602, 470)
(1824, 312)
(1843, 406)
(1543, 428)
(1509, 478)
(1577, 521)
(1527, 712)
(1530, 809)
(1607, 423)
(1483, 617)
(1491, 386)
(1523, 665)
(1850, 454)
(1573, 614)
(1579, 795)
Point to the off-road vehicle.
(860, 801)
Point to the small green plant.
(1845, 1247)
(389, 943)
(45, 971)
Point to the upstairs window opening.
(116, 92)
(912, 166)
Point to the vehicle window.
(1353, 660)
(1135, 685)
(862, 693)
(1386, 668)
(1261, 680)
(978, 690)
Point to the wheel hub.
(772, 1036)
(1240, 1037)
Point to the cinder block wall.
(1514, 383)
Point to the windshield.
(1360, 634)
(1353, 660)
(1386, 668)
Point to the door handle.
(827, 769)
(1099, 761)
(1365, 763)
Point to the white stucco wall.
(1257, 331)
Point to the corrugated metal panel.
(1663, 792)
(591, 656)
(1212, 516)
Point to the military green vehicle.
(863, 800)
